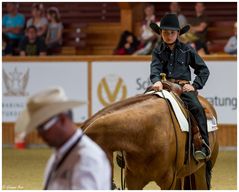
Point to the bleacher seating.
(218, 35)
(94, 28)
(76, 17)
(217, 11)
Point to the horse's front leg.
(179, 184)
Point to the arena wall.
(82, 78)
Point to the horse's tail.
(208, 173)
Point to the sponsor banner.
(221, 90)
(22, 79)
(114, 81)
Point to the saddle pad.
(211, 123)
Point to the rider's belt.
(179, 81)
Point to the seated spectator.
(147, 37)
(199, 26)
(175, 9)
(32, 45)
(55, 29)
(127, 45)
(13, 24)
(38, 19)
(231, 46)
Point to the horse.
(154, 147)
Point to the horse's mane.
(117, 106)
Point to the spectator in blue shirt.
(13, 24)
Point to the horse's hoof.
(114, 187)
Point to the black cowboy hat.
(169, 22)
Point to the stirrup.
(200, 155)
(208, 149)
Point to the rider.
(175, 59)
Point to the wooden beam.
(126, 18)
(124, 5)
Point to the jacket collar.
(164, 45)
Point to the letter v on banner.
(111, 95)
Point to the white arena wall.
(100, 81)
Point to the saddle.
(175, 88)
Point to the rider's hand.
(158, 86)
(188, 87)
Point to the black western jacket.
(176, 64)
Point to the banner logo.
(111, 89)
(15, 82)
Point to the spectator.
(127, 45)
(38, 19)
(199, 26)
(231, 46)
(175, 9)
(55, 29)
(147, 37)
(32, 45)
(13, 24)
(77, 162)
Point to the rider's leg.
(194, 106)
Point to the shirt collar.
(164, 45)
(64, 148)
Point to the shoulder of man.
(90, 148)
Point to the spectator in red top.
(127, 45)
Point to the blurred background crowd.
(106, 28)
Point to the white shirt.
(231, 46)
(43, 21)
(92, 172)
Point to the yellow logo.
(111, 89)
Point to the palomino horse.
(153, 143)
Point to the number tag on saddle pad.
(211, 123)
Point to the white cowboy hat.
(42, 106)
